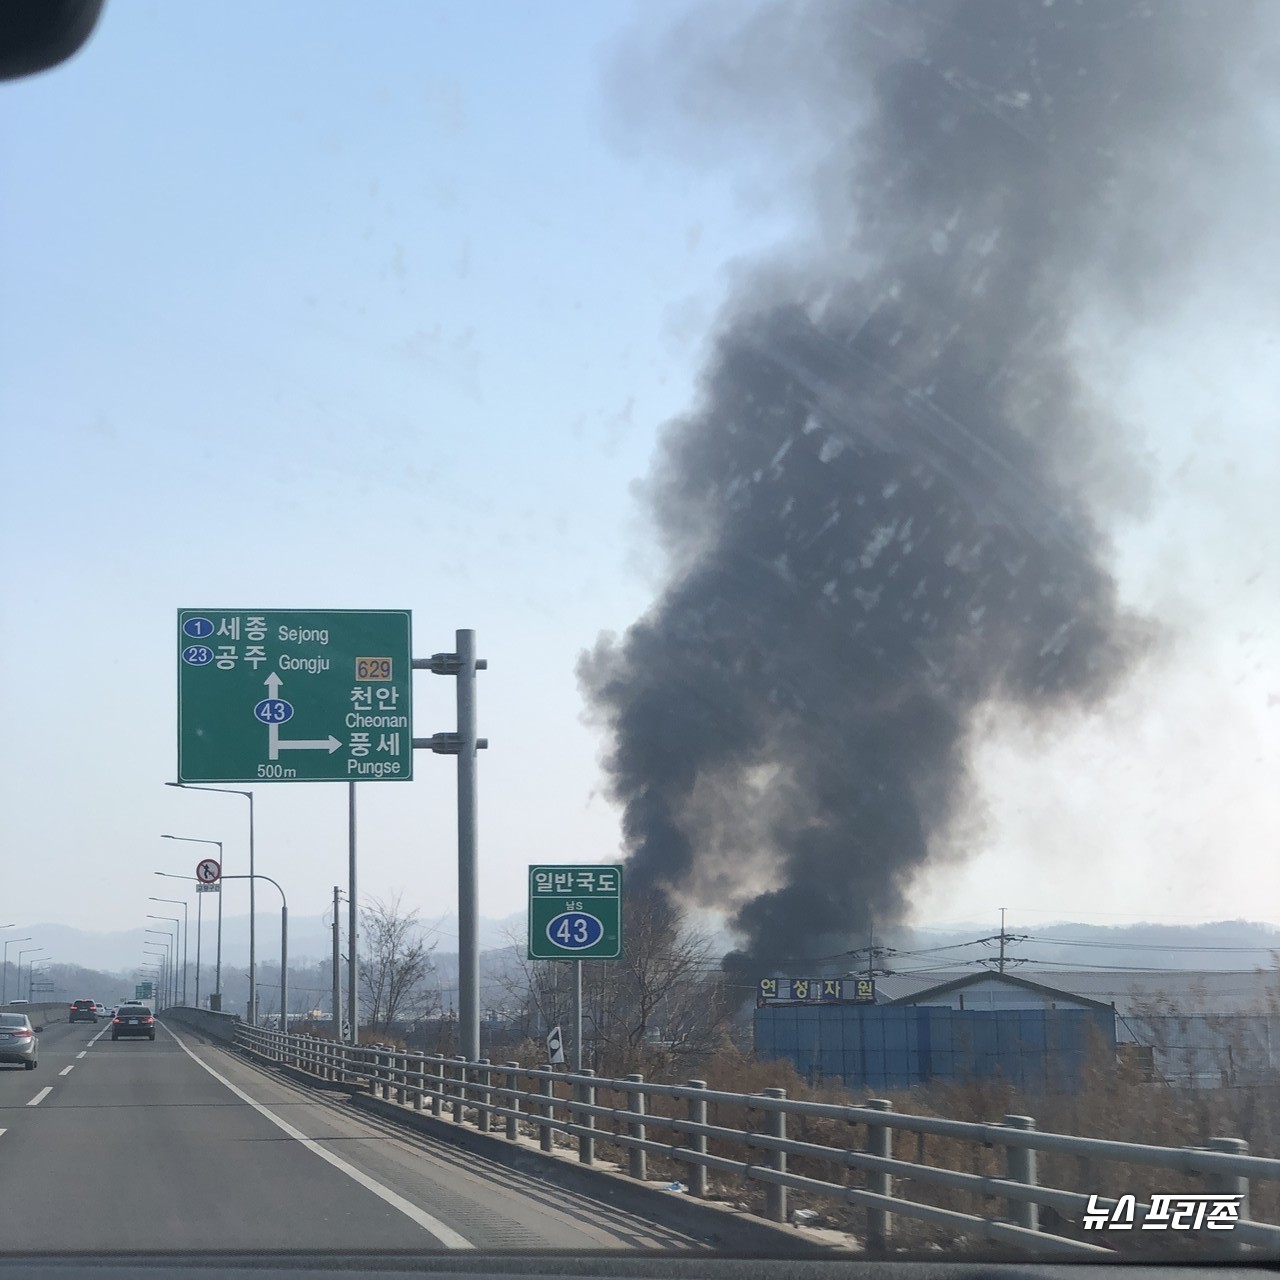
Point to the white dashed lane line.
(66, 1071)
(41, 1096)
(82, 1053)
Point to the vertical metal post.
(199, 922)
(636, 1162)
(698, 1142)
(337, 966)
(284, 968)
(1020, 1165)
(513, 1103)
(577, 1016)
(775, 1194)
(468, 892)
(253, 923)
(353, 921)
(461, 1095)
(547, 1086)
(879, 1143)
(186, 938)
(1231, 1184)
(587, 1094)
(484, 1079)
(217, 972)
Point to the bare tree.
(395, 964)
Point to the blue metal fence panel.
(896, 1047)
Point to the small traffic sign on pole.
(208, 871)
(555, 1047)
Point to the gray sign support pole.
(253, 921)
(199, 920)
(217, 972)
(337, 963)
(353, 920)
(577, 1016)
(284, 969)
(464, 744)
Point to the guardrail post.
(485, 1080)
(462, 1088)
(547, 1087)
(513, 1083)
(402, 1084)
(775, 1194)
(879, 1143)
(637, 1165)
(1020, 1166)
(586, 1094)
(420, 1082)
(437, 1084)
(698, 1142)
(1231, 1184)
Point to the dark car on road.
(18, 1041)
(83, 1011)
(133, 1020)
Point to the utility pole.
(353, 922)
(1001, 969)
(337, 971)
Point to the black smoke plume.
(883, 515)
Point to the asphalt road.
(180, 1145)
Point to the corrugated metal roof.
(1037, 989)
(1133, 991)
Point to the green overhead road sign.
(575, 913)
(294, 695)
(143, 991)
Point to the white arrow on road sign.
(208, 871)
(275, 744)
(555, 1047)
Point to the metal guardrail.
(492, 1093)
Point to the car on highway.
(19, 1042)
(133, 1020)
(13, 1002)
(83, 1011)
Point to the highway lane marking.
(98, 1037)
(445, 1235)
(41, 1096)
(82, 1053)
(66, 1071)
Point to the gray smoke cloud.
(886, 513)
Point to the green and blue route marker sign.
(575, 912)
(294, 695)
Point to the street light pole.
(4, 978)
(284, 945)
(186, 934)
(176, 922)
(199, 919)
(26, 951)
(170, 944)
(217, 972)
(253, 953)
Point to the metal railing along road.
(508, 1095)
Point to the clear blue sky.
(326, 305)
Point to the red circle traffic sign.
(208, 871)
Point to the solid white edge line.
(41, 1096)
(66, 1071)
(446, 1235)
